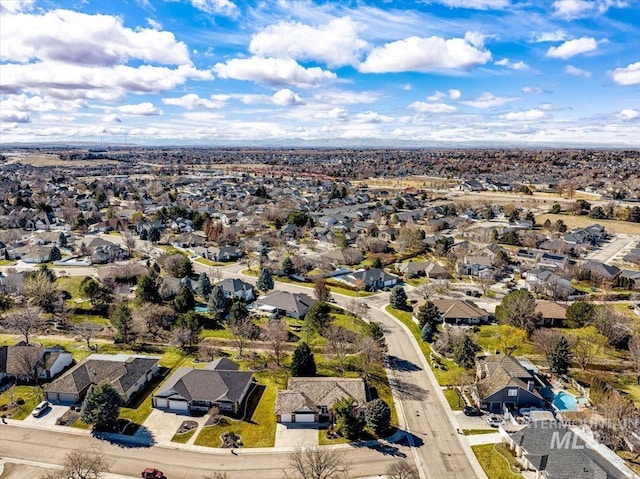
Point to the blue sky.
(421, 73)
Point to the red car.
(151, 473)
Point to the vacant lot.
(573, 221)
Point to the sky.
(457, 73)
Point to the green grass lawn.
(208, 262)
(474, 432)
(6, 262)
(634, 392)
(456, 403)
(494, 461)
(323, 440)
(183, 438)
(488, 342)
(32, 395)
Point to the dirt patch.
(231, 440)
(68, 418)
(218, 420)
(186, 426)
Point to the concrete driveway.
(48, 418)
(296, 435)
(162, 425)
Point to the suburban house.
(27, 362)
(219, 384)
(108, 254)
(224, 254)
(601, 271)
(553, 314)
(284, 304)
(502, 383)
(549, 283)
(128, 374)
(456, 311)
(590, 235)
(428, 269)
(550, 450)
(237, 289)
(480, 266)
(311, 399)
(372, 279)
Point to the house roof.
(503, 371)
(551, 309)
(14, 359)
(120, 370)
(462, 309)
(209, 384)
(233, 285)
(308, 393)
(372, 275)
(298, 302)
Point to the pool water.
(201, 309)
(565, 402)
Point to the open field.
(41, 160)
(574, 221)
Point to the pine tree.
(347, 422)
(62, 239)
(123, 324)
(217, 302)
(429, 313)
(465, 352)
(185, 270)
(204, 285)
(318, 317)
(288, 268)
(560, 357)
(427, 332)
(378, 416)
(184, 301)
(148, 290)
(265, 280)
(101, 406)
(54, 254)
(398, 298)
(154, 234)
(303, 363)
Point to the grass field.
(31, 395)
(455, 401)
(573, 221)
(496, 461)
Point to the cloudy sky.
(426, 72)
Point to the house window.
(512, 392)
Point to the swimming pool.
(564, 401)
(201, 309)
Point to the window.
(512, 392)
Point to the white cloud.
(24, 102)
(531, 89)
(454, 94)
(629, 75)
(15, 6)
(476, 4)
(424, 55)
(557, 36)
(191, 101)
(346, 97)
(76, 38)
(335, 43)
(12, 116)
(487, 100)
(215, 7)
(407, 87)
(629, 114)
(154, 24)
(372, 117)
(577, 72)
(141, 109)
(437, 96)
(519, 65)
(286, 97)
(333, 114)
(111, 118)
(424, 107)
(572, 9)
(528, 115)
(475, 38)
(574, 47)
(273, 71)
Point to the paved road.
(609, 250)
(50, 447)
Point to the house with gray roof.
(127, 373)
(219, 384)
(373, 279)
(427, 269)
(309, 400)
(28, 362)
(293, 305)
(234, 288)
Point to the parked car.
(40, 409)
(471, 411)
(495, 421)
(152, 473)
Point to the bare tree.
(588, 345)
(634, 352)
(544, 340)
(402, 469)
(42, 291)
(87, 331)
(370, 353)
(129, 242)
(26, 320)
(340, 343)
(275, 333)
(28, 361)
(86, 463)
(321, 290)
(152, 319)
(241, 332)
(426, 290)
(317, 463)
(612, 323)
(357, 308)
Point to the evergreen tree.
(288, 268)
(465, 352)
(398, 298)
(429, 313)
(377, 263)
(204, 285)
(101, 406)
(148, 290)
(123, 324)
(318, 317)
(579, 314)
(378, 416)
(303, 363)
(347, 422)
(154, 234)
(560, 357)
(144, 234)
(184, 301)
(185, 270)
(54, 254)
(62, 240)
(427, 332)
(98, 295)
(239, 312)
(217, 302)
(265, 280)
(374, 330)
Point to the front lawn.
(494, 461)
(456, 403)
(208, 262)
(31, 395)
(183, 438)
(488, 342)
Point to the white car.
(495, 421)
(40, 408)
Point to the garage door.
(305, 418)
(285, 417)
(178, 405)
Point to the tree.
(217, 304)
(370, 354)
(28, 362)
(340, 343)
(184, 300)
(265, 280)
(378, 416)
(509, 338)
(85, 463)
(101, 406)
(588, 345)
(54, 254)
(560, 357)
(99, 296)
(429, 313)
(357, 308)
(318, 317)
(375, 331)
(465, 352)
(303, 363)
(288, 268)
(544, 340)
(317, 463)
(579, 314)
(398, 298)
(148, 290)
(426, 290)
(26, 320)
(6, 303)
(298, 218)
(518, 309)
(187, 330)
(634, 351)
(347, 421)
(154, 234)
(185, 270)
(402, 469)
(203, 289)
(123, 324)
(613, 324)
(87, 331)
(321, 290)
(62, 240)
(276, 334)
(129, 242)
(41, 289)
(427, 332)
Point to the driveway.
(48, 418)
(296, 435)
(162, 425)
